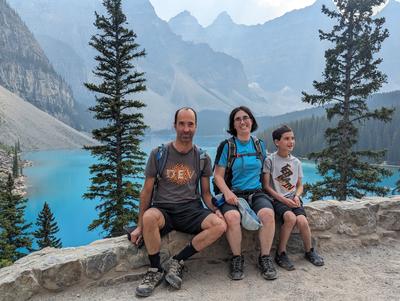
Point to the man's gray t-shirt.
(284, 173)
(178, 183)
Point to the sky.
(247, 12)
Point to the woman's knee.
(232, 217)
(266, 215)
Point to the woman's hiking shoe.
(236, 268)
(175, 273)
(267, 268)
(151, 279)
(314, 258)
(283, 261)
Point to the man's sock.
(186, 252)
(155, 261)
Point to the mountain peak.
(223, 19)
(184, 16)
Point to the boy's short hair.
(277, 134)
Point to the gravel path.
(371, 273)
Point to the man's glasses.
(240, 119)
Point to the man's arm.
(145, 199)
(271, 191)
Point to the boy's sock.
(155, 261)
(187, 252)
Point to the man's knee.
(215, 223)
(266, 215)
(232, 218)
(152, 218)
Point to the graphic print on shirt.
(179, 174)
(284, 178)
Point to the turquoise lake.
(60, 177)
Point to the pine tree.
(47, 228)
(351, 74)
(121, 160)
(14, 230)
(15, 167)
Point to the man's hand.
(231, 198)
(136, 236)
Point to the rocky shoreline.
(6, 162)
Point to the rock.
(334, 225)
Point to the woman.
(242, 178)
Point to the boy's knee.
(289, 218)
(301, 221)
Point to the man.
(176, 204)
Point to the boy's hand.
(290, 203)
(231, 198)
(296, 199)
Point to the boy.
(282, 180)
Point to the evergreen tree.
(47, 228)
(14, 235)
(121, 160)
(351, 74)
(398, 185)
(15, 167)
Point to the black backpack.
(232, 155)
(161, 161)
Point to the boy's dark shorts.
(185, 217)
(258, 201)
(280, 209)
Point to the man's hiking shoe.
(267, 268)
(314, 258)
(283, 261)
(236, 268)
(175, 273)
(151, 279)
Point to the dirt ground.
(368, 273)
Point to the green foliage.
(13, 229)
(373, 134)
(351, 74)
(121, 160)
(15, 167)
(47, 228)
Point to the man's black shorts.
(257, 202)
(185, 217)
(280, 209)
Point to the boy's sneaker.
(175, 273)
(236, 268)
(283, 261)
(267, 268)
(314, 258)
(151, 279)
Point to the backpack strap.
(259, 149)
(161, 160)
(200, 165)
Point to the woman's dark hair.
(232, 129)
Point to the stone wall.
(335, 226)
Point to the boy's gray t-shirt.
(178, 180)
(284, 173)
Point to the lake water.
(60, 177)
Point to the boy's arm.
(299, 191)
(267, 186)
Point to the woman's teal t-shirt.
(246, 170)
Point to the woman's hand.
(231, 198)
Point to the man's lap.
(185, 217)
